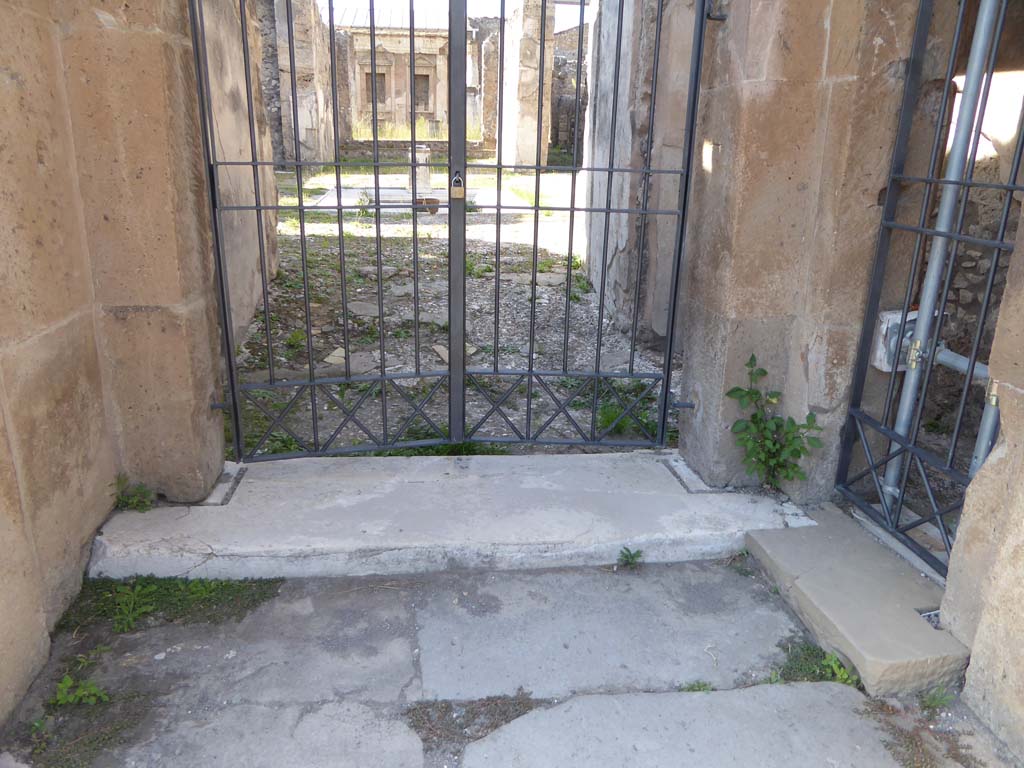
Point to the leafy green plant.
(630, 558)
(134, 496)
(838, 672)
(697, 686)
(935, 699)
(131, 603)
(773, 445)
(71, 691)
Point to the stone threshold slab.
(862, 601)
(384, 516)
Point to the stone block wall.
(109, 349)
(984, 601)
(799, 112)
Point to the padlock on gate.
(458, 188)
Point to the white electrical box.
(885, 346)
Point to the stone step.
(862, 601)
(384, 516)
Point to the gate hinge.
(713, 15)
(683, 404)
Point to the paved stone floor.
(574, 667)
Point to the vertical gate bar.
(607, 219)
(955, 165)
(536, 218)
(337, 188)
(457, 220)
(572, 191)
(413, 168)
(376, 221)
(685, 183)
(1008, 205)
(302, 225)
(930, 190)
(210, 161)
(646, 181)
(498, 171)
(257, 194)
(964, 196)
(911, 91)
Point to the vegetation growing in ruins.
(136, 496)
(773, 445)
(124, 603)
(935, 700)
(697, 686)
(630, 558)
(809, 663)
(71, 691)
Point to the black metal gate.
(405, 284)
(917, 434)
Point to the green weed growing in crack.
(71, 691)
(934, 700)
(131, 603)
(630, 558)
(697, 686)
(809, 663)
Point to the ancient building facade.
(307, 92)
(569, 103)
(397, 86)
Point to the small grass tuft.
(697, 686)
(630, 558)
(935, 700)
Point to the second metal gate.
(418, 242)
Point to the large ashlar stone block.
(776, 176)
(167, 16)
(166, 370)
(24, 642)
(37, 217)
(132, 106)
(62, 448)
(787, 40)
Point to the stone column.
(985, 587)
(522, 81)
(798, 117)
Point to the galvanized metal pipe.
(988, 430)
(955, 165)
(962, 363)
